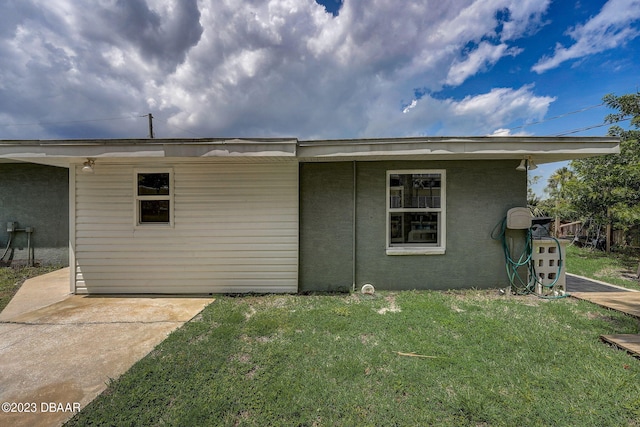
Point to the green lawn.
(325, 360)
(617, 269)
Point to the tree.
(628, 107)
(607, 188)
(560, 206)
(533, 200)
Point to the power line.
(69, 121)
(149, 116)
(591, 127)
(559, 116)
(178, 127)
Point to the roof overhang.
(66, 152)
(539, 149)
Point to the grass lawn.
(326, 360)
(617, 269)
(12, 278)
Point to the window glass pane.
(414, 227)
(415, 190)
(154, 211)
(153, 184)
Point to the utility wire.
(178, 127)
(591, 127)
(69, 121)
(197, 135)
(100, 120)
(559, 116)
(570, 132)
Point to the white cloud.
(259, 68)
(501, 132)
(508, 132)
(410, 106)
(474, 115)
(478, 60)
(611, 28)
(526, 17)
(499, 106)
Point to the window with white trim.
(416, 207)
(154, 197)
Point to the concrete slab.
(626, 302)
(63, 349)
(628, 342)
(39, 292)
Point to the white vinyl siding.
(235, 229)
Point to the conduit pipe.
(353, 230)
(12, 230)
(8, 246)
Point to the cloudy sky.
(312, 69)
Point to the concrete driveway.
(58, 351)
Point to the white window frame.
(413, 249)
(138, 198)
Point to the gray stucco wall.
(326, 218)
(35, 196)
(478, 195)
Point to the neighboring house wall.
(478, 194)
(235, 230)
(35, 196)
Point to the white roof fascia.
(540, 149)
(65, 152)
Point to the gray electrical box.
(11, 227)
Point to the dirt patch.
(199, 338)
(243, 417)
(242, 357)
(481, 295)
(368, 339)
(393, 308)
(599, 316)
(457, 309)
(249, 314)
(252, 373)
(261, 339)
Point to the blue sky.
(313, 68)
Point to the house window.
(416, 207)
(154, 197)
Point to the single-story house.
(168, 216)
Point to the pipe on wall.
(8, 246)
(353, 230)
(12, 229)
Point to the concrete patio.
(62, 350)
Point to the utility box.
(549, 264)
